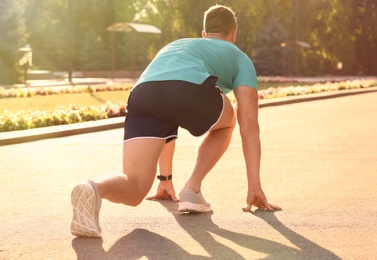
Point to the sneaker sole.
(84, 221)
(192, 207)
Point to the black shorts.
(156, 109)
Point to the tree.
(338, 31)
(46, 23)
(13, 37)
(92, 55)
(271, 58)
(364, 27)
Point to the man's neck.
(215, 35)
(219, 36)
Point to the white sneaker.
(192, 202)
(86, 204)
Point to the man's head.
(219, 19)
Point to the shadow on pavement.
(135, 245)
(308, 249)
(143, 243)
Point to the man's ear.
(203, 34)
(234, 36)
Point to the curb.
(313, 97)
(22, 136)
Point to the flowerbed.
(44, 91)
(316, 88)
(23, 120)
(73, 114)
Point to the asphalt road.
(319, 163)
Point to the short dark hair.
(219, 19)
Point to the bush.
(34, 119)
(44, 91)
(316, 88)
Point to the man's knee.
(133, 202)
(139, 188)
(132, 198)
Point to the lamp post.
(70, 39)
(296, 47)
(26, 59)
(284, 46)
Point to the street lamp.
(69, 43)
(26, 60)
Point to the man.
(184, 86)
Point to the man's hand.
(258, 199)
(165, 191)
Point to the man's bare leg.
(212, 147)
(140, 159)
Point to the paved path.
(319, 163)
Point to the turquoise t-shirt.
(195, 59)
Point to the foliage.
(270, 56)
(46, 22)
(316, 88)
(339, 32)
(92, 55)
(23, 120)
(13, 34)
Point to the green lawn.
(53, 102)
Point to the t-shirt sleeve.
(246, 74)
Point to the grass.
(50, 103)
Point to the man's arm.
(247, 115)
(165, 189)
